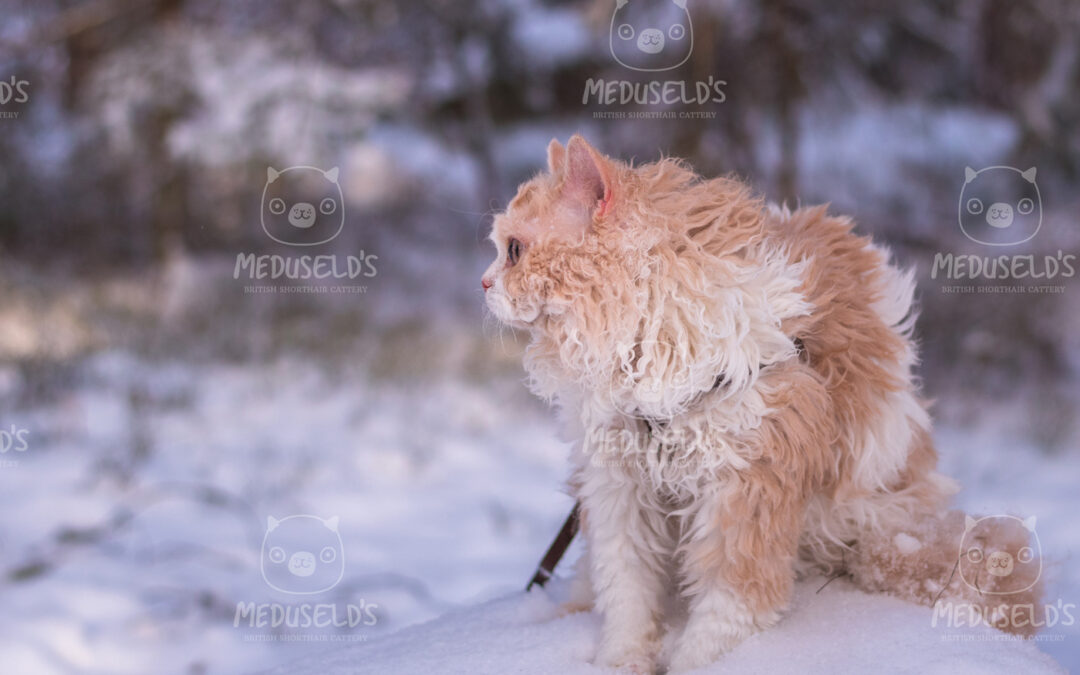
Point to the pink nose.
(486, 283)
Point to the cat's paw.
(573, 607)
(636, 659)
(705, 640)
(688, 657)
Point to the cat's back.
(862, 302)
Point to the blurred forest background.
(170, 411)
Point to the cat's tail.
(972, 571)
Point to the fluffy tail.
(971, 570)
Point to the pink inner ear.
(556, 155)
(587, 176)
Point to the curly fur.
(739, 377)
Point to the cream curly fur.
(739, 380)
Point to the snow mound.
(836, 630)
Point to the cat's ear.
(969, 523)
(271, 523)
(331, 175)
(331, 523)
(556, 157)
(1029, 523)
(271, 174)
(969, 174)
(1029, 175)
(619, 4)
(588, 176)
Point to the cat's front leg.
(624, 539)
(738, 566)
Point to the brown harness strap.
(557, 549)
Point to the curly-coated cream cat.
(739, 377)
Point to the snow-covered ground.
(133, 521)
(836, 630)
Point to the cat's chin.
(504, 311)
(521, 324)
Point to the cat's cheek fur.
(518, 313)
(509, 300)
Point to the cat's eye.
(1025, 555)
(327, 206)
(514, 249)
(975, 555)
(677, 32)
(277, 555)
(328, 554)
(626, 31)
(975, 206)
(277, 206)
(1025, 206)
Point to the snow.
(448, 489)
(443, 502)
(836, 630)
(132, 525)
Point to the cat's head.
(1000, 555)
(551, 236)
(302, 554)
(302, 205)
(651, 35)
(633, 282)
(1000, 205)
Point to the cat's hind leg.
(738, 548)
(738, 567)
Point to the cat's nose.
(486, 283)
